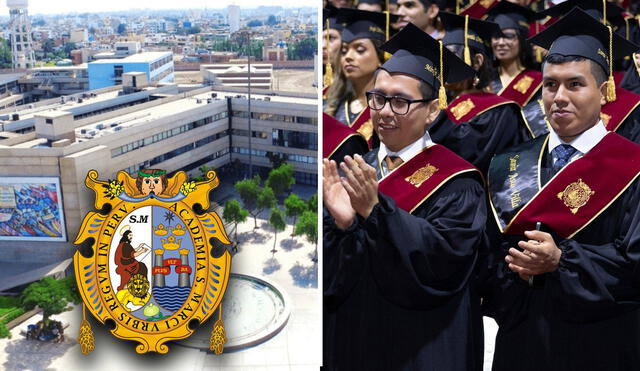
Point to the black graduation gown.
(533, 111)
(631, 80)
(583, 316)
(399, 289)
(350, 147)
(630, 127)
(485, 135)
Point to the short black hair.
(485, 73)
(596, 70)
(426, 90)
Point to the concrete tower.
(20, 29)
(234, 18)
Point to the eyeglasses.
(511, 36)
(399, 105)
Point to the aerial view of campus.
(158, 185)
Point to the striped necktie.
(393, 162)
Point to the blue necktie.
(562, 155)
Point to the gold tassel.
(218, 336)
(328, 74)
(442, 95)
(85, 338)
(467, 52)
(386, 33)
(611, 84)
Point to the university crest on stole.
(152, 261)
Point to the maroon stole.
(363, 125)
(334, 134)
(478, 9)
(582, 190)
(614, 113)
(522, 87)
(411, 183)
(617, 77)
(467, 106)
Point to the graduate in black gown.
(517, 77)
(476, 124)
(402, 230)
(622, 114)
(564, 282)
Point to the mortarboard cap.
(361, 24)
(592, 7)
(469, 32)
(329, 18)
(579, 34)
(373, 2)
(510, 15)
(417, 54)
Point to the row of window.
(294, 139)
(277, 117)
(162, 74)
(166, 134)
(286, 156)
(254, 134)
(111, 108)
(159, 63)
(176, 152)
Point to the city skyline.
(45, 7)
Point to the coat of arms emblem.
(152, 260)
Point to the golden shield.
(153, 265)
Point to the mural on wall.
(31, 209)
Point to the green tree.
(51, 295)
(276, 219)
(294, 207)
(312, 204)
(266, 199)
(272, 20)
(48, 45)
(249, 190)
(304, 49)
(281, 179)
(234, 213)
(5, 54)
(308, 226)
(68, 47)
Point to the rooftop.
(136, 58)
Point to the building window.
(48, 121)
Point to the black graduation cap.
(417, 54)
(467, 31)
(593, 7)
(510, 15)
(373, 2)
(361, 24)
(455, 5)
(329, 18)
(580, 34)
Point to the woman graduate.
(360, 56)
(476, 124)
(517, 77)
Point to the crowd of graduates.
(481, 157)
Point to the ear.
(433, 11)
(478, 60)
(432, 112)
(603, 93)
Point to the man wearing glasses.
(402, 229)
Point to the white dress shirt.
(405, 154)
(583, 143)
